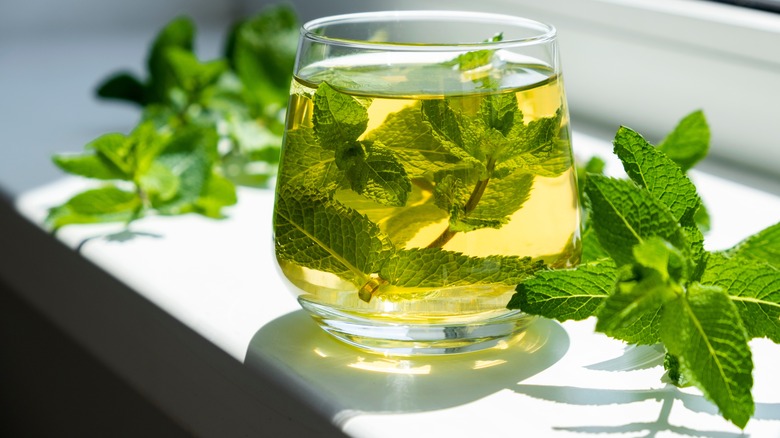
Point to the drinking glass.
(426, 170)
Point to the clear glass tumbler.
(426, 170)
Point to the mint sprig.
(647, 278)
(205, 126)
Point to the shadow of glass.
(357, 381)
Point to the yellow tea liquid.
(545, 227)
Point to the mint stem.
(471, 204)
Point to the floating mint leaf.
(755, 290)
(623, 215)
(374, 172)
(763, 246)
(651, 169)
(566, 293)
(476, 58)
(105, 204)
(689, 142)
(704, 331)
(317, 232)
(435, 267)
(338, 118)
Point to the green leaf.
(476, 58)
(661, 176)
(623, 215)
(704, 331)
(218, 192)
(190, 74)
(566, 294)
(405, 133)
(159, 183)
(501, 199)
(374, 172)
(105, 204)
(591, 248)
(446, 128)
(262, 50)
(188, 156)
(89, 165)
(320, 233)
(500, 111)
(689, 142)
(338, 118)
(114, 148)
(305, 163)
(753, 287)
(763, 246)
(180, 33)
(435, 267)
(123, 86)
(640, 291)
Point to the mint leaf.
(755, 290)
(435, 267)
(338, 118)
(567, 293)
(123, 86)
(374, 172)
(320, 233)
(502, 198)
(89, 165)
(261, 50)
(306, 163)
(413, 142)
(188, 156)
(640, 291)
(178, 33)
(622, 215)
(114, 148)
(106, 204)
(452, 130)
(499, 112)
(159, 183)
(476, 58)
(689, 142)
(217, 193)
(651, 169)
(704, 331)
(763, 246)
(190, 74)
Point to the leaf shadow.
(122, 236)
(355, 381)
(667, 395)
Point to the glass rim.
(547, 32)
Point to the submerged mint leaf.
(435, 267)
(317, 232)
(651, 169)
(501, 199)
(411, 139)
(566, 293)
(704, 331)
(307, 164)
(689, 142)
(338, 118)
(755, 290)
(623, 215)
(374, 172)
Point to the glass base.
(408, 339)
